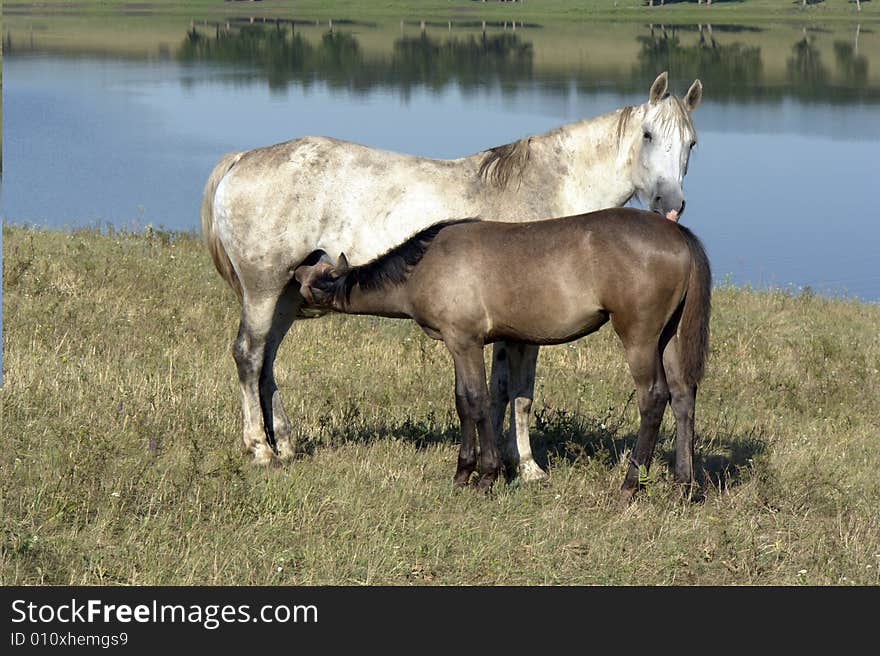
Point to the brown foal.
(456, 279)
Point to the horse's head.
(662, 147)
(317, 282)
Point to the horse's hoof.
(286, 451)
(265, 457)
(530, 472)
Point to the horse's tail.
(693, 327)
(215, 246)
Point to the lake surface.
(781, 187)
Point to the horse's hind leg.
(683, 401)
(522, 361)
(274, 416)
(653, 394)
(249, 350)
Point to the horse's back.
(329, 192)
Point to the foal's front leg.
(472, 404)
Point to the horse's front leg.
(521, 361)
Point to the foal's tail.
(693, 328)
(215, 246)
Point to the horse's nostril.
(658, 200)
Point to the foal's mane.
(393, 266)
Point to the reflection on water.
(734, 68)
(852, 67)
(788, 127)
(805, 67)
(285, 56)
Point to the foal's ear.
(693, 96)
(658, 89)
(342, 265)
(303, 276)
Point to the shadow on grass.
(349, 426)
(722, 459)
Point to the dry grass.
(122, 464)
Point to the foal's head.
(662, 147)
(318, 282)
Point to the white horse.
(269, 210)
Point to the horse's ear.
(658, 89)
(693, 96)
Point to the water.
(779, 188)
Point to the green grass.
(122, 462)
(544, 11)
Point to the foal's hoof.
(461, 480)
(485, 482)
(625, 497)
(690, 492)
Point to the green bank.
(432, 10)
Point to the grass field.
(543, 10)
(122, 463)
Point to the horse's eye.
(648, 136)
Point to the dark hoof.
(690, 492)
(462, 479)
(484, 484)
(625, 497)
(509, 470)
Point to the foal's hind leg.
(683, 401)
(249, 351)
(653, 394)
